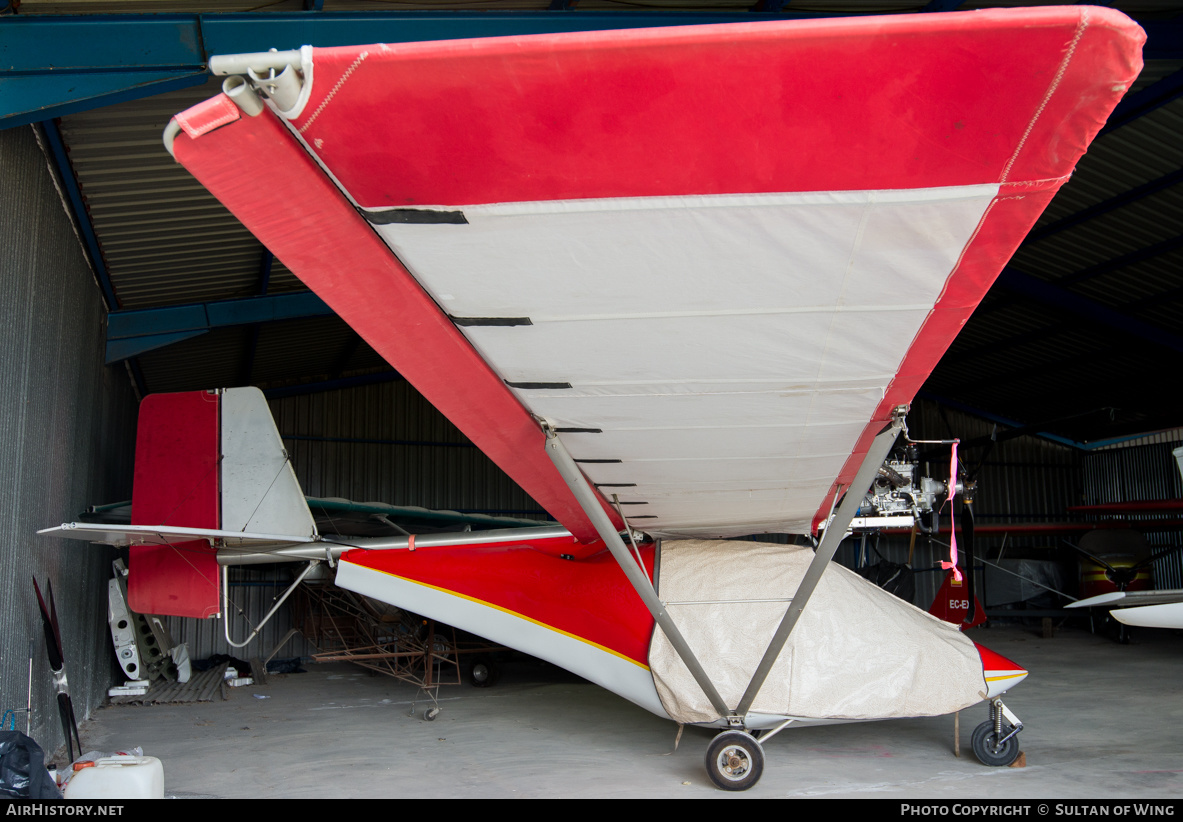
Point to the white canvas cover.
(857, 652)
(718, 355)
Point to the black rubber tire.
(734, 761)
(984, 747)
(483, 672)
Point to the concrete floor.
(1102, 722)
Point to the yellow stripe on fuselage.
(512, 613)
(1007, 676)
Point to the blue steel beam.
(1106, 206)
(1061, 298)
(1145, 101)
(126, 349)
(1137, 256)
(34, 98)
(57, 148)
(54, 65)
(957, 405)
(154, 327)
(943, 5)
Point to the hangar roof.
(1075, 340)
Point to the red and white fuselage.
(565, 602)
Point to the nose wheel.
(734, 761)
(996, 741)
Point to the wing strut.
(835, 531)
(591, 505)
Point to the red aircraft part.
(176, 483)
(496, 121)
(952, 603)
(1000, 673)
(588, 599)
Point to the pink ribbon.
(952, 563)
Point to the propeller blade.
(972, 475)
(53, 619)
(53, 649)
(52, 644)
(967, 537)
(69, 724)
(1095, 559)
(1150, 560)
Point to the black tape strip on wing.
(418, 216)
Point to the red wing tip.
(997, 662)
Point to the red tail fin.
(176, 483)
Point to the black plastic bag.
(22, 769)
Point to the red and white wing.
(714, 257)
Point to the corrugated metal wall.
(66, 432)
(1141, 470)
(385, 443)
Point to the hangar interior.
(126, 278)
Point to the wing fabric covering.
(717, 288)
(858, 652)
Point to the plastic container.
(118, 777)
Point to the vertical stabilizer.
(206, 460)
(260, 491)
(176, 483)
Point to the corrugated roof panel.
(165, 240)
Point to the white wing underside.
(727, 351)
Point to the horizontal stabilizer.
(122, 535)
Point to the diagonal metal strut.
(607, 531)
(835, 531)
(825, 552)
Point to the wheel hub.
(734, 763)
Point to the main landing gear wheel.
(735, 761)
(987, 748)
(483, 672)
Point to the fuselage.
(558, 600)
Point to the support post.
(835, 530)
(607, 531)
